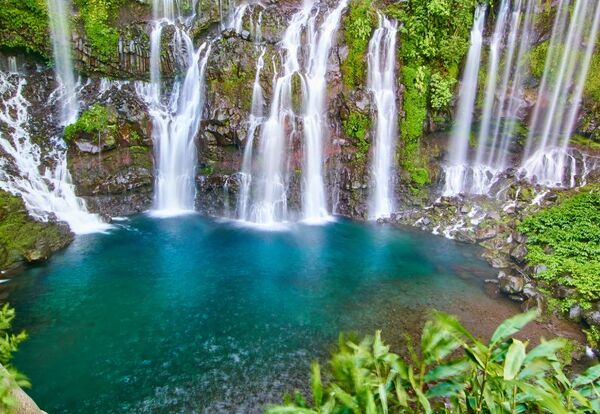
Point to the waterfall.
(305, 52)
(176, 118)
(315, 113)
(45, 194)
(572, 43)
(382, 84)
(58, 11)
(457, 171)
(255, 120)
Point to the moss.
(98, 122)
(415, 103)
(358, 25)
(235, 83)
(20, 233)
(24, 25)
(97, 16)
(356, 126)
(592, 85)
(537, 59)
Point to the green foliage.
(95, 122)
(97, 16)
(20, 233)
(358, 26)
(566, 239)
(592, 85)
(10, 378)
(453, 373)
(537, 59)
(441, 90)
(415, 103)
(24, 25)
(356, 127)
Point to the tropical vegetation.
(452, 372)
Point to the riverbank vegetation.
(564, 243)
(453, 372)
(10, 378)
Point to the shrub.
(358, 26)
(356, 127)
(566, 239)
(96, 120)
(441, 91)
(10, 378)
(454, 373)
(24, 25)
(97, 16)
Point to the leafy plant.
(566, 240)
(95, 121)
(356, 126)
(453, 373)
(358, 26)
(10, 378)
(441, 91)
(24, 25)
(97, 16)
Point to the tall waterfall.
(255, 120)
(315, 113)
(459, 142)
(45, 194)
(176, 118)
(59, 12)
(568, 61)
(382, 84)
(305, 52)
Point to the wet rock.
(496, 259)
(535, 302)
(519, 254)
(592, 318)
(486, 233)
(575, 313)
(540, 269)
(564, 292)
(35, 255)
(510, 284)
(465, 236)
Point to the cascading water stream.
(302, 38)
(458, 169)
(315, 118)
(58, 12)
(546, 158)
(45, 194)
(382, 84)
(176, 119)
(255, 120)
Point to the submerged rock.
(510, 284)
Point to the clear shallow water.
(193, 315)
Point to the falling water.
(382, 83)
(456, 172)
(315, 116)
(269, 199)
(176, 119)
(58, 11)
(45, 194)
(255, 120)
(572, 44)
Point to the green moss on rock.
(97, 17)
(98, 122)
(358, 26)
(24, 239)
(24, 25)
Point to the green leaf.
(514, 359)
(588, 377)
(450, 370)
(316, 384)
(445, 389)
(383, 398)
(511, 326)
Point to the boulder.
(519, 254)
(510, 284)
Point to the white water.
(320, 42)
(382, 84)
(175, 118)
(59, 12)
(459, 141)
(254, 122)
(305, 50)
(45, 194)
(546, 160)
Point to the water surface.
(189, 314)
